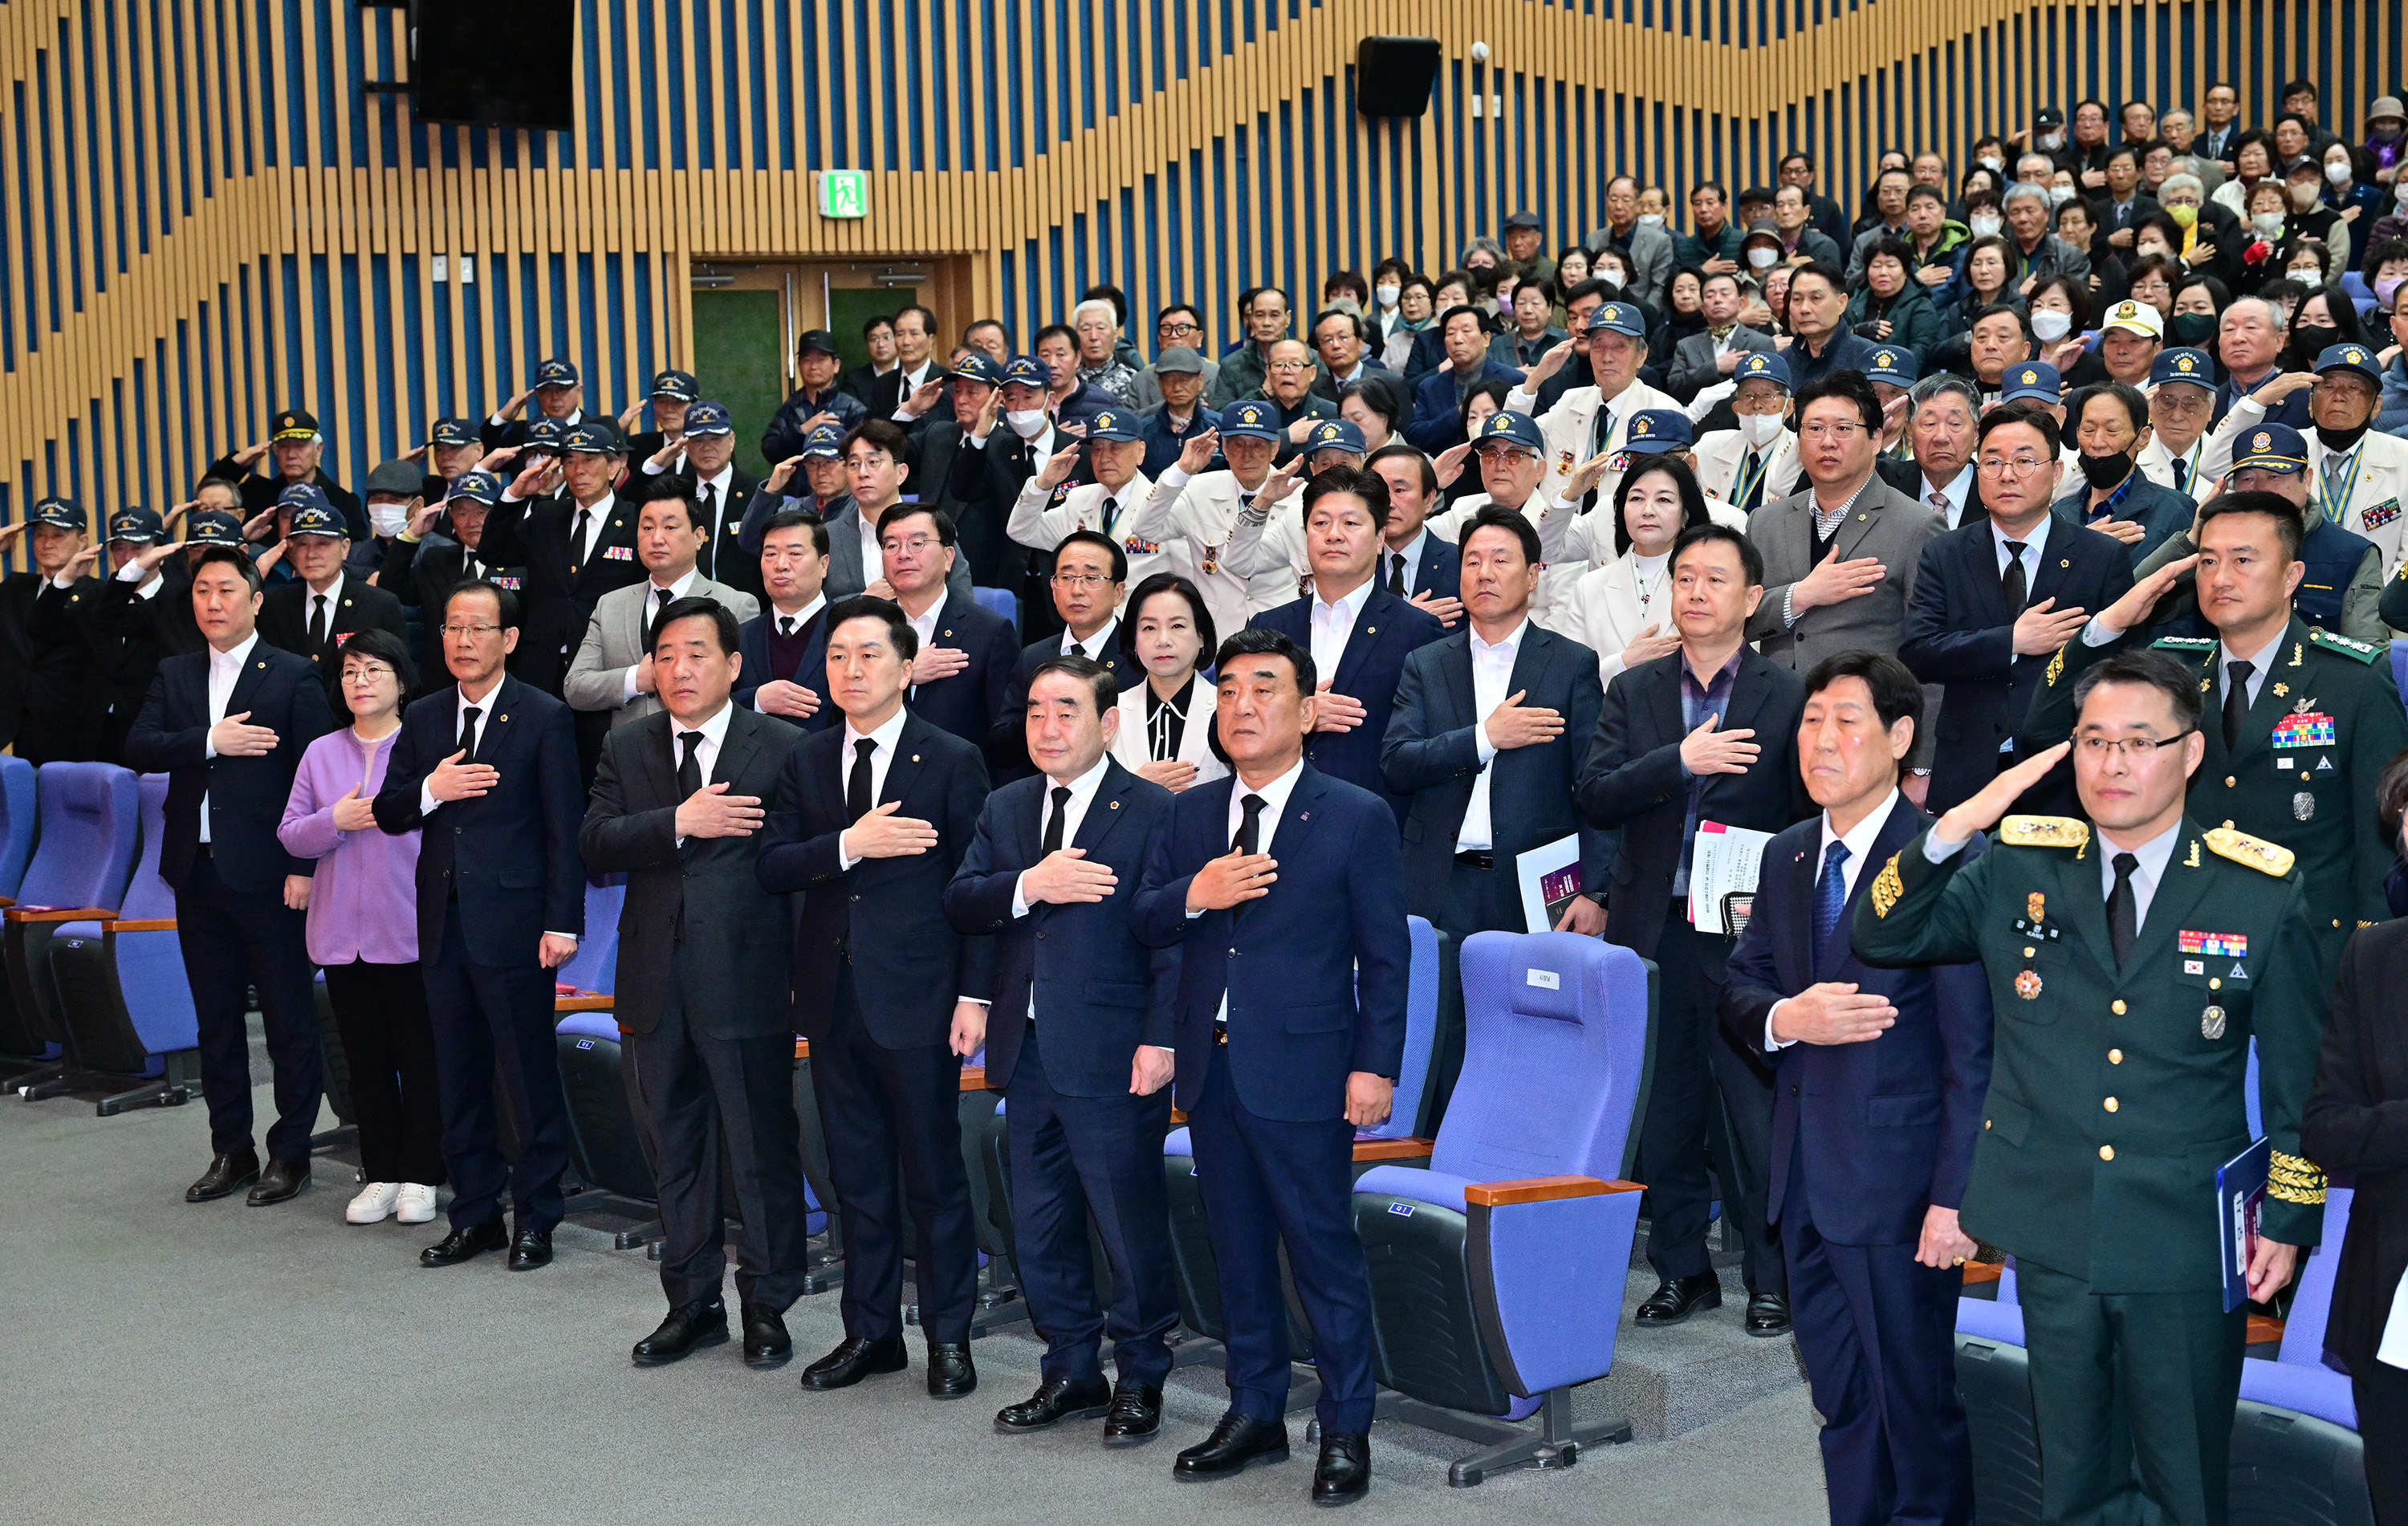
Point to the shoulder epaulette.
(2184, 643)
(2044, 831)
(2266, 857)
(2363, 651)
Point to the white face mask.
(1388, 295)
(1652, 220)
(1611, 278)
(2337, 172)
(2269, 223)
(2051, 142)
(1759, 429)
(1996, 167)
(2059, 195)
(1984, 227)
(388, 518)
(1762, 259)
(2051, 324)
(1028, 423)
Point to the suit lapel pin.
(1861, 515)
(263, 667)
(1116, 805)
(1306, 816)
(1371, 630)
(504, 719)
(915, 757)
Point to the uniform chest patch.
(2304, 729)
(2233, 945)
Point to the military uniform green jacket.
(2328, 721)
(2115, 1095)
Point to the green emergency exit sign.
(844, 192)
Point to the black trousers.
(698, 1091)
(2382, 1395)
(485, 1014)
(232, 940)
(1708, 1100)
(381, 1011)
(885, 1110)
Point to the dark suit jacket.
(246, 795)
(562, 586)
(1098, 992)
(509, 855)
(50, 647)
(1431, 754)
(1887, 1126)
(423, 573)
(1439, 570)
(728, 562)
(908, 965)
(1386, 631)
(1314, 971)
(885, 393)
(284, 621)
(1634, 780)
(1007, 745)
(970, 702)
(1960, 634)
(753, 645)
(706, 894)
(2356, 1122)
(1437, 416)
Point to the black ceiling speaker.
(483, 65)
(1393, 76)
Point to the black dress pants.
(381, 1011)
(232, 940)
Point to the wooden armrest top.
(2264, 1329)
(973, 1078)
(140, 924)
(60, 914)
(8, 900)
(584, 1001)
(802, 1049)
(1393, 1150)
(1542, 1190)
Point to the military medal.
(2027, 986)
(2211, 1023)
(2304, 805)
(2036, 908)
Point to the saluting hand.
(711, 812)
(1197, 453)
(1058, 468)
(1981, 811)
(2134, 606)
(884, 834)
(782, 474)
(1064, 877)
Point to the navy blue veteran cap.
(1113, 425)
(594, 437)
(451, 433)
(827, 439)
(1893, 364)
(59, 514)
(555, 373)
(1658, 431)
(136, 525)
(1763, 366)
(1506, 428)
(980, 367)
(678, 386)
(2032, 379)
(1619, 318)
(483, 486)
(543, 436)
(213, 527)
(1335, 435)
(2350, 358)
(708, 419)
(293, 424)
(1027, 371)
(2270, 447)
(1257, 420)
(317, 519)
(2192, 366)
(302, 496)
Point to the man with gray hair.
(1097, 323)
(2044, 255)
(2249, 338)
(1943, 415)
(297, 449)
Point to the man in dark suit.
(484, 769)
(719, 490)
(1438, 400)
(1707, 734)
(1286, 1045)
(312, 616)
(1359, 634)
(1993, 600)
(575, 546)
(1090, 580)
(421, 568)
(871, 819)
(48, 650)
(915, 368)
(784, 647)
(937, 434)
(1878, 1084)
(704, 956)
(1414, 565)
(1052, 873)
(228, 728)
(961, 680)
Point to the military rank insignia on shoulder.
(1887, 887)
(2363, 651)
(2044, 831)
(2184, 643)
(2267, 857)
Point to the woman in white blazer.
(1166, 725)
(1622, 610)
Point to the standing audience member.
(1164, 733)
(784, 647)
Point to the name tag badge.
(1546, 980)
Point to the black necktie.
(1054, 822)
(2012, 581)
(689, 766)
(469, 567)
(785, 628)
(2182, 472)
(2123, 917)
(1078, 649)
(1397, 573)
(661, 597)
(2236, 702)
(577, 537)
(469, 732)
(317, 624)
(1249, 836)
(710, 528)
(1111, 512)
(856, 790)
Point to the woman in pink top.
(363, 932)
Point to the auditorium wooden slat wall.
(205, 217)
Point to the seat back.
(1421, 1035)
(18, 819)
(149, 898)
(1555, 1047)
(2399, 667)
(596, 965)
(2303, 1329)
(1001, 601)
(90, 815)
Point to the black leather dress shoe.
(460, 1244)
(702, 1323)
(280, 1182)
(529, 1249)
(1056, 1399)
(1768, 1313)
(951, 1372)
(1238, 1442)
(853, 1360)
(1676, 1298)
(765, 1342)
(1344, 1474)
(227, 1173)
(1136, 1416)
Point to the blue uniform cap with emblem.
(292, 424)
(1893, 364)
(708, 419)
(2270, 447)
(543, 436)
(977, 365)
(1113, 426)
(555, 373)
(318, 519)
(1658, 431)
(59, 514)
(1259, 421)
(2195, 367)
(1508, 428)
(1619, 318)
(2350, 358)
(1763, 366)
(213, 527)
(1027, 371)
(453, 433)
(1336, 434)
(302, 496)
(137, 525)
(678, 386)
(2032, 379)
(481, 486)
(594, 437)
(827, 439)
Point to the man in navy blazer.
(1878, 1083)
(485, 772)
(1413, 564)
(1995, 598)
(961, 680)
(1078, 1041)
(1288, 1042)
(1438, 399)
(871, 819)
(228, 725)
(784, 647)
(1358, 633)
(1707, 734)
(1089, 581)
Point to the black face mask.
(2341, 441)
(2105, 471)
(2312, 340)
(2192, 328)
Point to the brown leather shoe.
(281, 1182)
(227, 1173)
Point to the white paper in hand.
(2394, 1348)
(1723, 861)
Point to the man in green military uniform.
(2129, 974)
(2299, 723)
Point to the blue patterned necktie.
(1830, 893)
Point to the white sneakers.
(416, 1205)
(374, 1205)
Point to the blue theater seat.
(1498, 1270)
(1993, 1373)
(90, 814)
(19, 822)
(1000, 601)
(2296, 1453)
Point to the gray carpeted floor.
(228, 1364)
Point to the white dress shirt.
(1074, 812)
(312, 598)
(1492, 679)
(1957, 493)
(1333, 626)
(1274, 794)
(881, 758)
(653, 605)
(2035, 541)
(2259, 662)
(1860, 838)
(1411, 551)
(923, 623)
(780, 619)
(597, 515)
(225, 671)
(1096, 645)
(720, 486)
(705, 757)
(873, 555)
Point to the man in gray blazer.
(1646, 246)
(1698, 361)
(613, 671)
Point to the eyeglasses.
(2018, 467)
(2138, 748)
(1290, 366)
(1841, 432)
(1082, 581)
(918, 543)
(470, 631)
(368, 672)
(1177, 326)
(870, 461)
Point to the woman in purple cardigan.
(363, 932)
